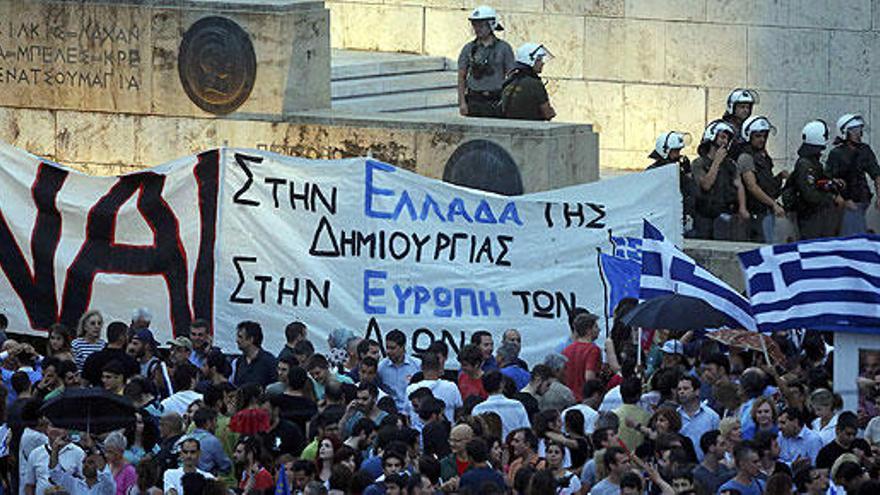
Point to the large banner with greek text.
(232, 235)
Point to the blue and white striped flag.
(668, 270)
(823, 284)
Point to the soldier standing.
(818, 200)
(849, 161)
(482, 66)
(756, 171)
(523, 95)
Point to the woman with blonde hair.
(88, 340)
(731, 430)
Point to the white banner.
(232, 235)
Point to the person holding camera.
(818, 200)
(482, 66)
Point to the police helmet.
(757, 123)
(849, 121)
(740, 95)
(815, 133)
(669, 141)
(716, 127)
(529, 53)
(486, 13)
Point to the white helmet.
(849, 121)
(714, 128)
(757, 123)
(486, 13)
(815, 133)
(669, 141)
(529, 53)
(740, 95)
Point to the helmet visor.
(541, 53)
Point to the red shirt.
(264, 480)
(582, 356)
(470, 386)
(461, 466)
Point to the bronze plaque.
(217, 65)
(482, 164)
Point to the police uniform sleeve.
(832, 166)
(540, 92)
(745, 163)
(809, 192)
(507, 60)
(869, 159)
(464, 56)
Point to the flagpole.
(604, 287)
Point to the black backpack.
(790, 196)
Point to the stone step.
(400, 102)
(352, 88)
(348, 64)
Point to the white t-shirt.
(171, 480)
(590, 416)
(442, 389)
(180, 401)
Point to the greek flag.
(822, 284)
(667, 270)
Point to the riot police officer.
(721, 212)
(762, 186)
(482, 66)
(740, 103)
(523, 95)
(817, 196)
(667, 151)
(850, 160)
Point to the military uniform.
(523, 94)
(486, 66)
(817, 214)
(716, 209)
(759, 163)
(850, 162)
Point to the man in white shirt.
(189, 455)
(97, 478)
(36, 470)
(512, 413)
(183, 381)
(448, 392)
(32, 439)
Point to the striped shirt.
(82, 349)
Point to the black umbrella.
(92, 410)
(677, 312)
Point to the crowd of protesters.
(668, 414)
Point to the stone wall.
(635, 68)
(547, 155)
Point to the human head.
(616, 461)
(715, 367)
(740, 102)
(555, 454)
(200, 334)
(507, 354)
(811, 480)
(470, 358)
(668, 146)
(113, 376)
(114, 446)
(712, 443)
(294, 332)
(484, 20)
(665, 420)
(319, 368)
(369, 348)
(755, 131)
(477, 451)
(746, 459)
(395, 345)
(90, 325)
(483, 340)
(731, 430)
(851, 127)
(533, 55)
(368, 370)
(303, 473)
(717, 134)
(393, 461)
(181, 348)
(822, 401)
(790, 422)
(492, 382)
(117, 334)
(141, 318)
(190, 450)
(631, 390)
(367, 393)
(205, 418)
(459, 436)
(688, 389)
(249, 336)
(144, 343)
(512, 335)
(631, 484)
(846, 429)
(764, 412)
(584, 326)
(59, 338)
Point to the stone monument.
(110, 87)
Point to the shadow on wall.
(484, 165)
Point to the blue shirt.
(519, 376)
(395, 377)
(213, 458)
(806, 444)
(755, 488)
(490, 364)
(693, 427)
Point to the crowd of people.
(731, 190)
(672, 413)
